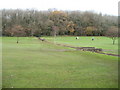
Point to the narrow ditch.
(91, 49)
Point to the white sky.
(104, 6)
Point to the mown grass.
(36, 64)
(99, 42)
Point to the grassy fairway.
(99, 42)
(36, 64)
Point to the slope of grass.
(99, 42)
(36, 64)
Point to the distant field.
(99, 42)
(36, 64)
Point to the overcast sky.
(104, 6)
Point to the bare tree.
(17, 31)
(112, 33)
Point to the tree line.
(17, 22)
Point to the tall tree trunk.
(113, 41)
(17, 39)
(54, 36)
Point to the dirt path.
(78, 48)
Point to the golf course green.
(32, 63)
